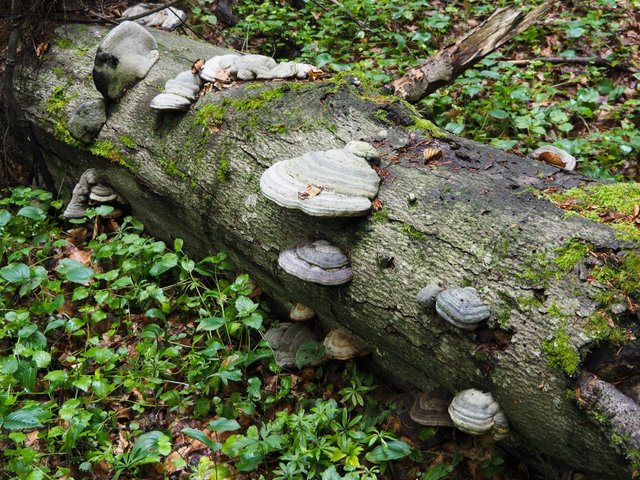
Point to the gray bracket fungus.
(167, 19)
(431, 409)
(462, 307)
(318, 262)
(179, 93)
(426, 297)
(124, 57)
(226, 68)
(339, 344)
(565, 158)
(87, 119)
(286, 339)
(90, 191)
(342, 181)
(477, 413)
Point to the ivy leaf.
(393, 450)
(74, 271)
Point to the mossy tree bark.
(476, 220)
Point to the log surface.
(475, 222)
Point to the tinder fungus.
(124, 57)
(431, 409)
(286, 339)
(462, 307)
(226, 68)
(318, 262)
(476, 412)
(339, 344)
(555, 156)
(331, 183)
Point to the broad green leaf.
(249, 461)
(309, 353)
(42, 359)
(121, 283)
(210, 323)
(16, 273)
(155, 313)
(223, 425)
(166, 262)
(245, 306)
(56, 376)
(253, 321)
(202, 438)
(226, 375)
(25, 418)
(393, 450)
(74, 271)
(497, 113)
(34, 213)
(5, 216)
(103, 210)
(83, 383)
(439, 472)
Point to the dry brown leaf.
(376, 204)
(197, 66)
(208, 87)
(309, 192)
(552, 158)
(82, 256)
(223, 76)
(315, 74)
(431, 153)
(41, 49)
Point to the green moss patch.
(560, 354)
(613, 204)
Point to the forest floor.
(95, 383)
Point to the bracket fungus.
(286, 339)
(426, 297)
(226, 68)
(89, 191)
(179, 93)
(431, 409)
(124, 57)
(340, 344)
(462, 307)
(476, 412)
(331, 183)
(318, 262)
(301, 313)
(87, 119)
(168, 18)
(555, 156)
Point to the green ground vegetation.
(513, 99)
(102, 332)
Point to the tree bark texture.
(468, 219)
(450, 62)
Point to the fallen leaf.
(82, 256)
(431, 154)
(315, 74)
(309, 192)
(41, 49)
(208, 87)
(552, 159)
(376, 204)
(197, 66)
(223, 76)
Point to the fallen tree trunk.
(469, 218)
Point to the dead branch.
(443, 67)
